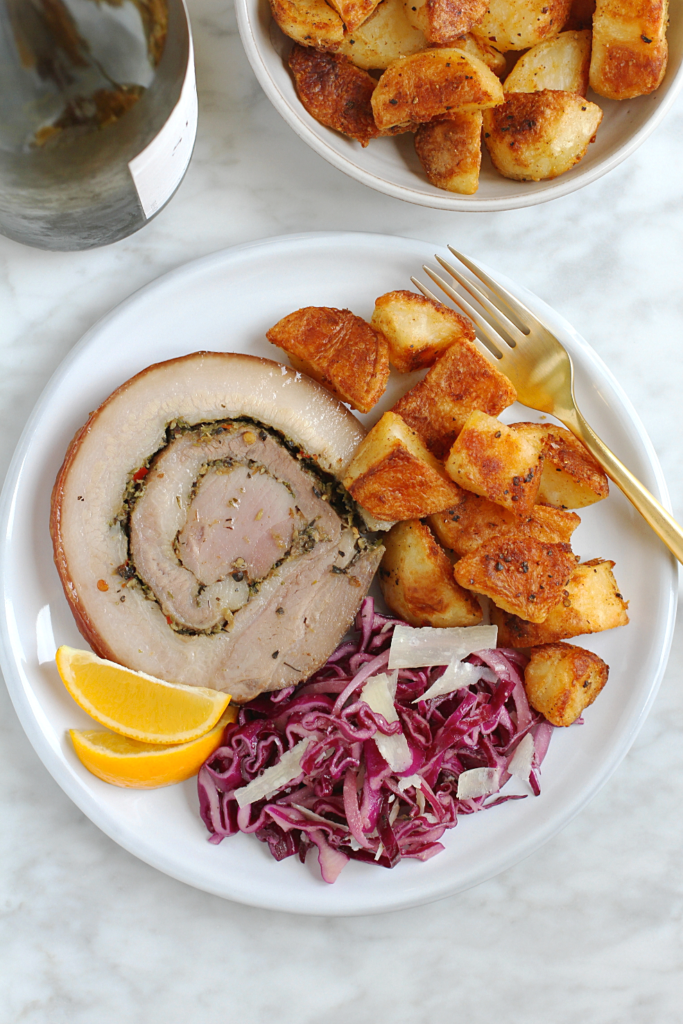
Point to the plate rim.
(86, 800)
(558, 187)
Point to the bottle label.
(159, 168)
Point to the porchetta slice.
(199, 530)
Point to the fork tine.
(503, 321)
(516, 307)
(492, 340)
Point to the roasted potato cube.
(630, 50)
(338, 349)
(536, 136)
(571, 477)
(354, 12)
(592, 603)
(442, 21)
(562, 63)
(520, 575)
(461, 381)
(416, 580)
(581, 15)
(562, 680)
(492, 460)
(394, 477)
(335, 92)
(309, 22)
(479, 47)
(450, 152)
(383, 38)
(432, 83)
(475, 521)
(417, 330)
(519, 24)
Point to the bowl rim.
(555, 189)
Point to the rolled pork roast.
(200, 530)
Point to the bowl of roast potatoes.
(468, 104)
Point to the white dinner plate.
(226, 302)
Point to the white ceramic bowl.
(391, 166)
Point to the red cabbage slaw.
(347, 801)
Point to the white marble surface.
(590, 927)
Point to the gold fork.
(541, 370)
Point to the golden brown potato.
(592, 603)
(354, 12)
(383, 38)
(475, 521)
(338, 349)
(393, 476)
(571, 477)
(479, 47)
(461, 381)
(630, 50)
(493, 460)
(539, 135)
(416, 580)
(450, 152)
(430, 84)
(562, 63)
(562, 680)
(519, 24)
(442, 21)
(581, 15)
(309, 22)
(521, 575)
(417, 330)
(335, 92)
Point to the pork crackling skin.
(199, 530)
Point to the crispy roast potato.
(630, 50)
(338, 349)
(417, 329)
(393, 476)
(450, 152)
(479, 47)
(562, 63)
(432, 83)
(519, 24)
(562, 680)
(461, 381)
(521, 575)
(309, 22)
(416, 580)
(571, 477)
(493, 460)
(591, 604)
(335, 92)
(538, 135)
(383, 38)
(475, 521)
(354, 12)
(442, 21)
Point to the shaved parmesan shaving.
(410, 780)
(379, 693)
(427, 646)
(522, 759)
(281, 774)
(478, 782)
(457, 676)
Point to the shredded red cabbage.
(347, 802)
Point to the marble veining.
(588, 928)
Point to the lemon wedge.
(125, 762)
(137, 705)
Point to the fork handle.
(664, 525)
